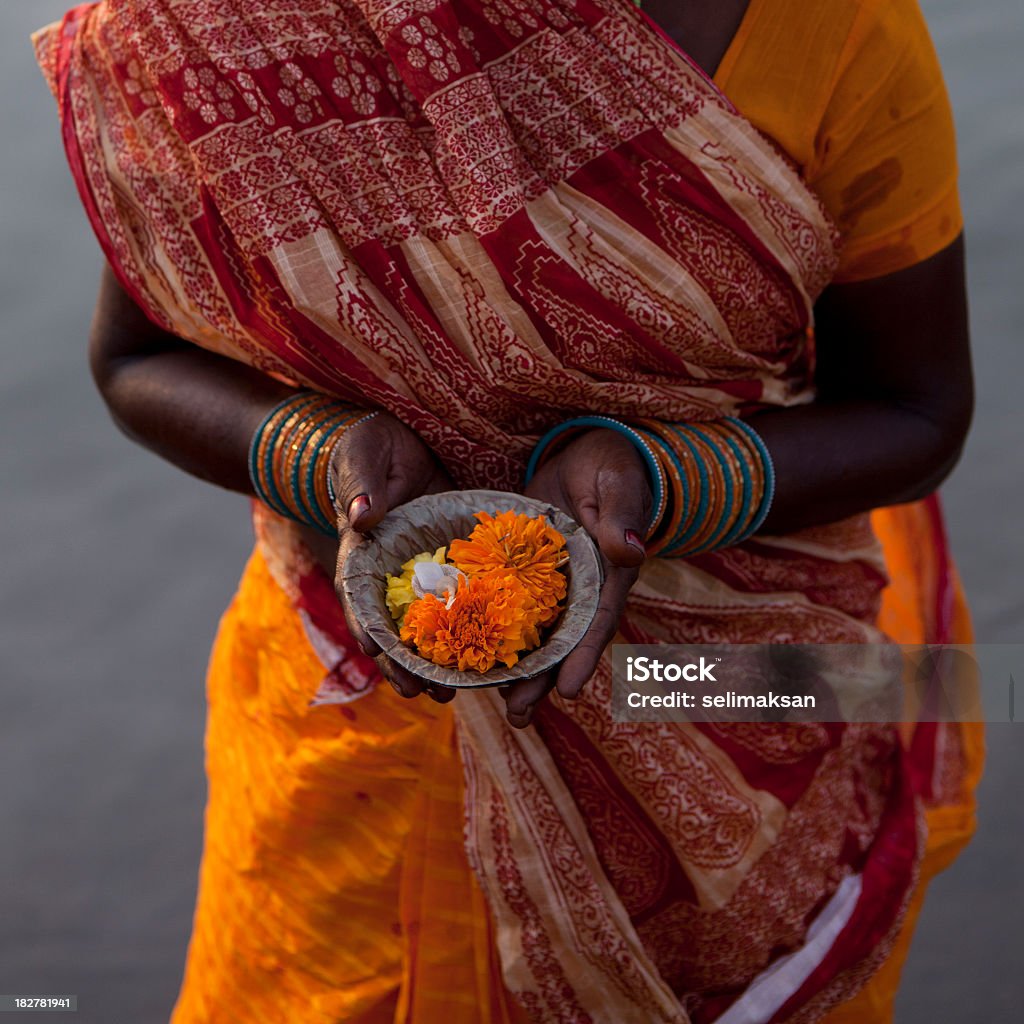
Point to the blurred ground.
(116, 568)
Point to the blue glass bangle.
(673, 457)
(305, 496)
(282, 436)
(702, 500)
(254, 445)
(722, 527)
(606, 422)
(769, 478)
(271, 497)
(336, 429)
(278, 503)
(734, 534)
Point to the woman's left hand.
(601, 481)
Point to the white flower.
(440, 580)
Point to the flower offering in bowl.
(475, 588)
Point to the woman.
(481, 220)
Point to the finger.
(580, 665)
(369, 647)
(623, 513)
(412, 473)
(439, 481)
(412, 469)
(440, 694)
(366, 643)
(404, 682)
(361, 463)
(522, 698)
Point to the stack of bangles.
(712, 482)
(290, 457)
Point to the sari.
(487, 217)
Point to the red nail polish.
(360, 504)
(633, 539)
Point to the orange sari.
(486, 217)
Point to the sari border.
(68, 29)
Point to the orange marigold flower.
(524, 545)
(491, 619)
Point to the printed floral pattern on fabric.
(371, 137)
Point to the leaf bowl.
(435, 520)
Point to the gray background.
(115, 569)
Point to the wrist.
(290, 455)
(565, 433)
(712, 482)
(721, 484)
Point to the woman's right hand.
(378, 465)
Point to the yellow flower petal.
(399, 588)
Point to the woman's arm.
(199, 411)
(189, 406)
(895, 397)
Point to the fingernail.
(360, 504)
(633, 539)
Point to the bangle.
(725, 471)
(324, 477)
(289, 457)
(699, 484)
(731, 468)
(304, 468)
(679, 498)
(746, 485)
(656, 472)
(767, 467)
(713, 481)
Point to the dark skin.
(704, 29)
(894, 403)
